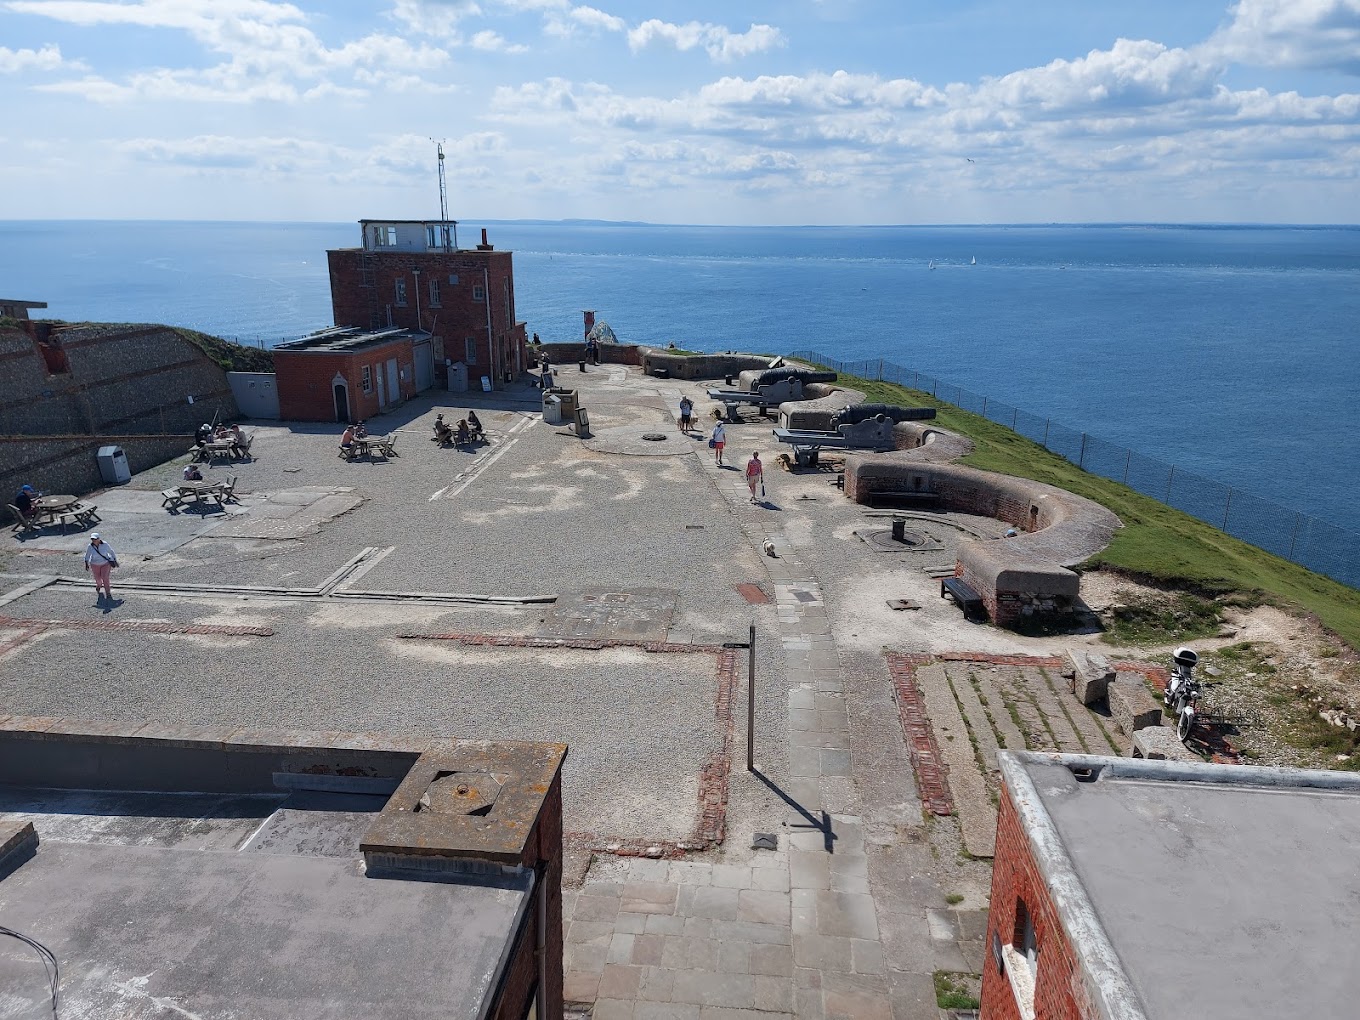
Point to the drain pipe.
(490, 338)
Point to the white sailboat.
(974, 262)
(932, 264)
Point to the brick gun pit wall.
(1018, 577)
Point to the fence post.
(1227, 508)
(1298, 518)
(1081, 460)
(1128, 458)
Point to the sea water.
(1229, 351)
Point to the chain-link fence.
(1278, 529)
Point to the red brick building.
(1134, 889)
(412, 274)
(345, 374)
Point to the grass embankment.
(1157, 543)
(233, 357)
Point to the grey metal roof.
(1200, 890)
(221, 907)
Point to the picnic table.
(369, 445)
(199, 492)
(62, 510)
(216, 448)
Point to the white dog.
(769, 549)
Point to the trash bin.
(569, 404)
(113, 465)
(552, 409)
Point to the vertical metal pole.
(880, 369)
(1226, 510)
(1015, 416)
(984, 407)
(1126, 466)
(751, 703)
(1170, 475)
(1047, 423)
(1081, 460)
(1298, 519)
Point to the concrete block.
(1092, 675)
(1132, 705)
(1160, 743)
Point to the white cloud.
(494, 42)
(720, 42)
(593, 18)
(1292, 33)
(270, 55)
(438, 18)
(46, 59)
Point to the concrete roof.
(1200, 890)
(214, 907)
(347, 339)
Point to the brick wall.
(1058, 991)
(364, 294)
(306, 379)
(543, 849)
(123, 379)
(67, 463)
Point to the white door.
(393, 389)
(424, 355)
(382, 393)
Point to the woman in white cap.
(100, 561)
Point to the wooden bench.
(913, 497)
(964, 597)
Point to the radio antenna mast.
(444, 202)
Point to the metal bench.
(964, 597)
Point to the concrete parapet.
(1092, 675)
(1021, 576)
(1132, 705)
(1160, 743)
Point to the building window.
(453, 279)
(478, 294)
(434, 293)
(401, 291)
(384, 237)
(438, 236)
(1021, 959)
(471, 350)
(366, 379)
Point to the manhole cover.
(654, 437)
(911, 541)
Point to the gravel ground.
(640, 726)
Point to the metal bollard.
(899, 529)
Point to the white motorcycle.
(1182, 691)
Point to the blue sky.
(803, 111)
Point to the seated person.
(202, 434)
(475, 424)
(347, 438)
(239, 443)
(23, 500)
(464, 436)
(443, 435)
(192, 474)
(361, 431)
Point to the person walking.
(100, 559)
(755, 475)
(719, 441)
(686, 413)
